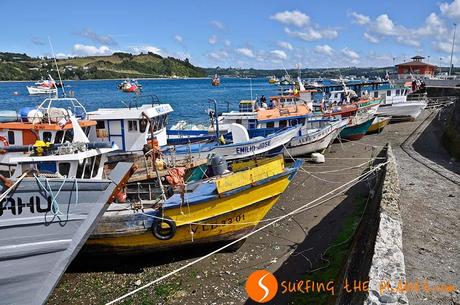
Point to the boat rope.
(348, 185)
(49, 191)
(3, 196)
(363, 177)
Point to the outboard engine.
(218, 165)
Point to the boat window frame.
(133, 126)
(63, 172)
(50, 136)
(11, 137)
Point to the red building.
(416, 67)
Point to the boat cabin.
(284, 111)
(391, 95)
(49, 122)
(88, 164)
(129, 127)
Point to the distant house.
(416, 67)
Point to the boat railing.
(138, 100)
(68, 103)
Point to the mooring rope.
(349, 184)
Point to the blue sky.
(251, 33)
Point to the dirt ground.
(290, 248)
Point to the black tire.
(161, 233)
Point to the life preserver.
(161, 233)
(4, 141)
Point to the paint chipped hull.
(220, 219)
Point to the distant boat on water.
(215, 81)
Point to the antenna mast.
(57, 68)
(452, 51)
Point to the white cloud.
(311, 34)
(178, 38)
(245, 52)
(93, 36)
(279, 54)
(218, 24)
(218, 55)
(451, 10)
(146, 49)
(212, 40)
(324, 49)
(284, 45)
(371, 38)
(350, 53)
(359, 18)
(88, 50)
(295, 17)
(384, 25)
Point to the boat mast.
(452, 51)
(57, 68)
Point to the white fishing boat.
(240, 147)
(315, 136)
(34, 90)
(48, 208)
(396, 105)
(129, 127)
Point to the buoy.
(318, 158)
(15, 93)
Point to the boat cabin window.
(89, 168)
(132, 126)
(59, 136)
(239, 121)
(11, 137)
(47, 136)
(100, 125)
(283, 123)
(68, 135)
(64, 168)
(294, 122)
(389, 93)
(376, 94)
(398, 92)
(270, 125)
(143, 125)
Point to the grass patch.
(336, 255)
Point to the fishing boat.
(357, 127)
(43, 87)
(131, 126)
(48, 122)
(215, 81)
(223, 207)
(396, 104)
(315, 136)
(130, 86)
(241, 145)
(378, 124)
(273, 80)
(48, 208)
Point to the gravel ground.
(290, 248)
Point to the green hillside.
(16, 66)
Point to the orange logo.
(261, 286)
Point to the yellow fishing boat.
(378, 124)
(220, 208)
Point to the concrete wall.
(376, 254)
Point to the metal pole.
(217, 118)
(452, 51)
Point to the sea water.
(188, 97)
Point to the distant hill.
(16, 66)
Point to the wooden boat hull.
(356, 132)
(378, 124)
(224, 218)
